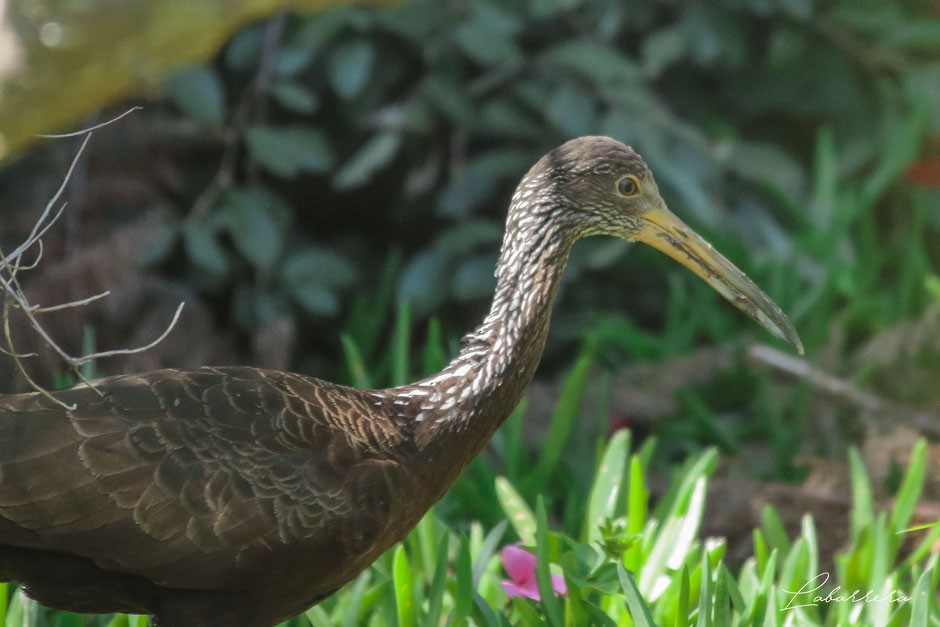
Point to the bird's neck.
(459, 408)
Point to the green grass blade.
(485, 615)
(463, 589)
(761, 552)
(676, 538)
(706, 595)
(355, 364)
(434, 357)
(774, 530)
(487, 550)
(543, 576)
(863, 503)
(318, 617)
(683, 603)
(350, 614)
(435, 593)
(401, 346)
(404, 589)
(734, 592)
(638, 499)
(920, 602)
(516, 510)
(808, 532)
(564, 417)
(909, 492)
(925, 547)
(676, 498)
(721, 608)
(528, 616)
(605, 493)
(639, 610)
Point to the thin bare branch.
(128, 351)
(839, 390)
(91, 129)
(14, 296)
(75, 303)
(34, 239)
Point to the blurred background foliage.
(327, 192)
(345, 174)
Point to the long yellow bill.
(668, 234)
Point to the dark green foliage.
(410, 126)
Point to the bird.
(241, 496)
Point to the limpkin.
(238, 496)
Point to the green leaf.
(683, 603)
(572, 110)
(435, 594)
(920, 35)
(661, 49)
(487, 549)
(516, 510)
(488, 37)
(706, 595)
(318, 617)
(473, 278)
(550, 603)
(424, 280)
(721, 606)
(313, 275)
(295, 97)
(566, 413)
(404, 588)
(318, 266)
(474, 184)
(775, 532)
(910, 490)
(605, 494)
(599, 64)
(254, 219)
(401, 342)
(528, 615)
(197, 90)
(244, 51)
(288, 150)
(372, 157)
(463, 588)
(638, 497)
(921, 598)
(768, 163)
(350, 67)
(354, 362)
(291, 61)
(639, 610)
(203, 248)
(354, 601)
(862, 513)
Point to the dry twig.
(13, 264)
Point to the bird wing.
(155, 473)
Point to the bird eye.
(629, 186)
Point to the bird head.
(601, 186)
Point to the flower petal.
(523, 592)
(519, 564)
(559, 585)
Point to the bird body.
(242, 496)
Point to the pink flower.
(520, 565)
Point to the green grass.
(627, 564)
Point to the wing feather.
(154, 473)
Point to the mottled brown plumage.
(240, 496)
